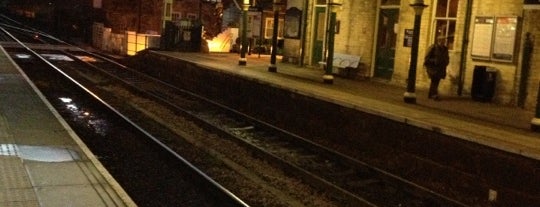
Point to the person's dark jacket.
(436, 61)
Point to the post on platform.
(243, 50)
(277, 7)
(332, 6)
(535, 122)
(410, 95)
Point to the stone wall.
(363, 135)
(357, 36)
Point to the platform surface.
(42, 161)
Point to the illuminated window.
(445, 21)
(168, 10)
(269, 28)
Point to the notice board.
(494, 38)
(482, 37)
(504, 39)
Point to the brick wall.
(358, 20)
(531, 25)
(356, 31)
(124, 15)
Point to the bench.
(346, 61)
(345, 65)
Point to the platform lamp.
(277, 7)
(332, 6)
(410, 96)
(245, 8)
(535, 122)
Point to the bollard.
(535, 122)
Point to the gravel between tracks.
(253, 180)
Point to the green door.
(318, 31)
(386, 43)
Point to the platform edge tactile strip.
(15, 187)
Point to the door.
(318, 35)
(386, 43)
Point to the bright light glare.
(23, 56)
(223, 42)
(87, 58)
(66, 100)
(72, 107)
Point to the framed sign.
(407, 37)
(482, 37)
(293, 18)
(504, 39)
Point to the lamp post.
(245, 7)
(272, 67)
(330, 31)
(535, 122)
(410, 96)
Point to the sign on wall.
(293, 18)
(504, 39)
(482, 37)
(407, 37)
(494, 38)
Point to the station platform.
(42, 161)
(500, 127)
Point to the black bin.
(483, 84)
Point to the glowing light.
(85, 58)
(23, 56)
(72, 107)
(223, 42)
(66, 100)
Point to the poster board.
(482, 37)
(504, 39)
(408, 37)
(293, 18)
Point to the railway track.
(351, 181)
(348, 180)
(151, 172)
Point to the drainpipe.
(528, 47)
(303, 30)
(464, 47)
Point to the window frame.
(269, 27)
(438, 21)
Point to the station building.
(497, 35)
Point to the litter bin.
(483, 85)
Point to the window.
(168, 10)
(176, 16)
(445, 21)
(269, 28)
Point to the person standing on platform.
(435, 62)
